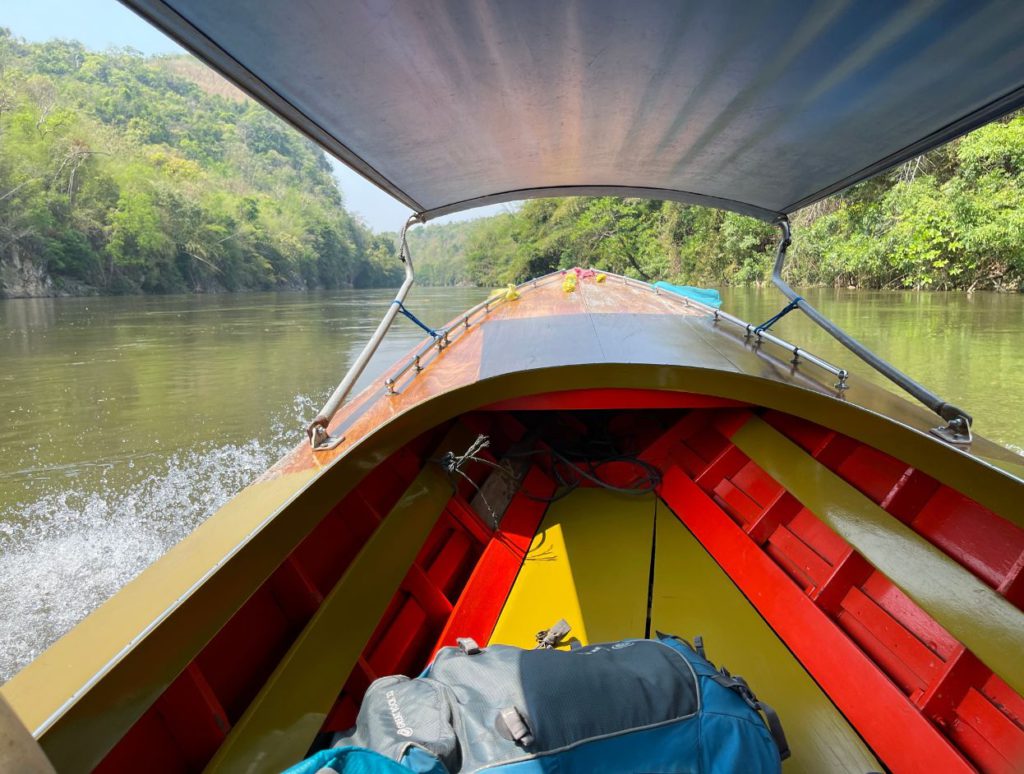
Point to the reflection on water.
(28, 314)
(127, 421)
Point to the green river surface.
(126, 421)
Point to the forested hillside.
(121, 173)
(951, 219)
(440, 252)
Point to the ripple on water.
(70, 551)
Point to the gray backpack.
(636, 705)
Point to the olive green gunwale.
(987, 623)
(284, 717)
(83, 694)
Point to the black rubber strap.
(775, 727)
(771, 717)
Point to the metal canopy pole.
(958, 422)
(317, 430)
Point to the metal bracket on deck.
(957, 431)
(320, 439)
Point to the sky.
(100, 24)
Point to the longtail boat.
(585, 445)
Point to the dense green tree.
(127, 173)
(135, 174)
(951, 219)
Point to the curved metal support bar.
(958, 422)
(317, 430)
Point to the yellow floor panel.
(693, 595)
(590, 564)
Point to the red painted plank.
(477, 610)
(728, 422)
(759, 486)
(708, 444)
(469, 519)
(294, 592)
(901, 607)
(524, 513)
(671, 443)
(193, 716)
(238, 660)
(838, 448)
(852, 570)
(325, 554)
(429, 596)
(978, 749)
(913, 490)
(1003, 735)
(886, 719)
(148, 746)
(724, 464)
(688, 459)
(981, 541)
(816, 534)
(393, 649)
(871, 471)
(802, 563)
(960, 673)
(811, 437)
(1002, 695)
(738, 504)
(450, 563)
(896, 650)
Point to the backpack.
(639, 705)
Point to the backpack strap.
(739, 685)
(552, 638)
(511, 724)
(698, 645)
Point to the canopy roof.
(761, 108)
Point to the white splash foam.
(70, 551)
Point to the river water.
(124, 422)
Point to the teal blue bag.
(653, 705)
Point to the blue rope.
(785, 310)
(415, 319)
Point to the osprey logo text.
(396, 715)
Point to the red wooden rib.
(898, 733)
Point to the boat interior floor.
(616, 566)
(807, 561)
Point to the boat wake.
(69, 551)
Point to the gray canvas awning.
(756, 107)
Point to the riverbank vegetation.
(121, 173)
(952, 219)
